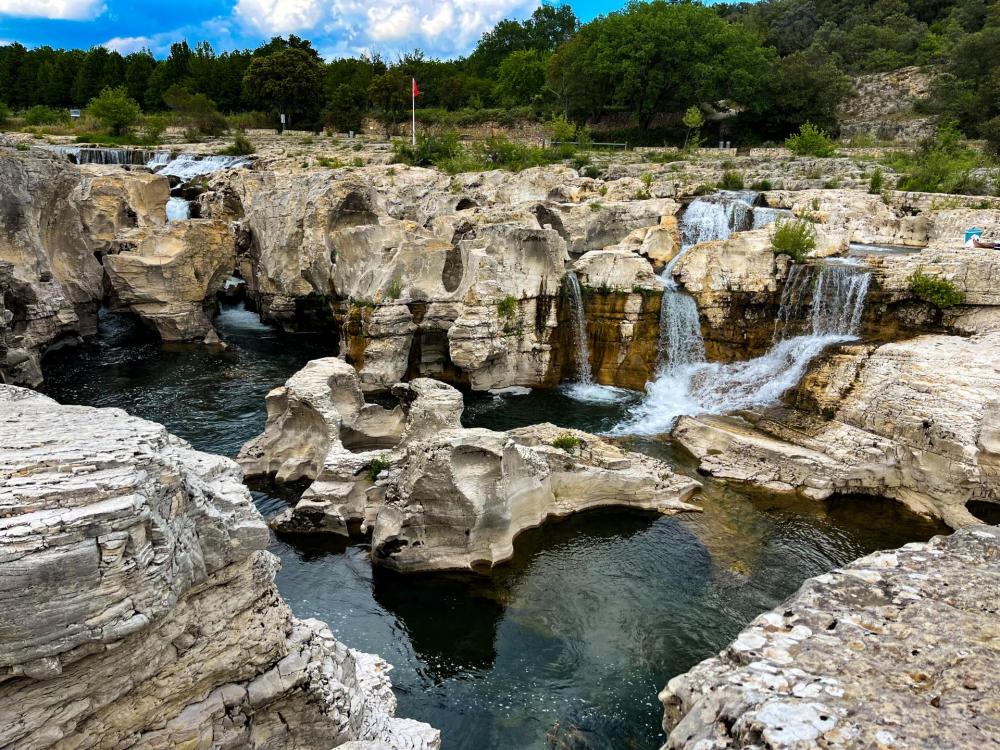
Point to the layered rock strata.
(457, 500)
(438, 496)
(138, 605)
(169, 276)
(56, 220)
(422, 275)
(917, 421)
(898, 649)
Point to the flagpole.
(413, 98)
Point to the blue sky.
(443, 28)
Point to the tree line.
(761, 68)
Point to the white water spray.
(584, 373)
(836, 297)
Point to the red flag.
(416, 91)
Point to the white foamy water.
(828, 301)
(189, 166)
(763, 216)
(592, 393)
(178, 209)
(584, 373)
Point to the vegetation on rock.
(939, 292)
(795, 238)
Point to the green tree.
(662, 57)
(115, 109)
(288, 81)
(520, 78)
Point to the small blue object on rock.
(973, 232)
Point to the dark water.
(567, 646)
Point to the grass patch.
(942, 164)
(507, 307)
(566, 442)
(731, 180)
(445, 151)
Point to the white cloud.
(72, 10)
(439, 27)
(129, 44)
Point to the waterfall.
(713, 217)
(764, 216)
(584, 373)
(829, 300)
(189, 166)
(108, 156)
(178, 209)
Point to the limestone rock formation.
(423, 275)
(737, 285)
(322, 408)
(916, 421)
(419, 481)
(55, 218)
(458, 499)
(138, 605)
(621, 303)
(898, 649)
(169, 276)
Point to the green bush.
(115, 109)
(153, 127)
(941, 164)
(41, 115)
(795, 238)
(761, 185)
(395, 289)
(811, 141)
(507, 307)
(876, 182)
(731, 180)
(430, 150)
(566, 442)
(939, 292)
(376, 467)
(241, 146)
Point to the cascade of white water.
(836, 298)
(584, 373)
(178, 209)
(189, 166)
(713, 217)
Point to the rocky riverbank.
(138, 606)
(898, 649)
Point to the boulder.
(138, 605)
(56, 220)
(915, 420)
(169, 276)
(897, 649)
(457, 500)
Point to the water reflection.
(564, 647)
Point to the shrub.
(795, 238)
(941, 164)
(761, 185)
(376, 467)
(810, 141)
(4, 114)
(591, 171)
(241, 146)
(431, 149)
(153, 127)
(507, 307)
(395, 289)
(876, 182)
(22, 146)
(41, 115)
(115, 109)
(566, 442)
(731, 180)
(939, 292)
